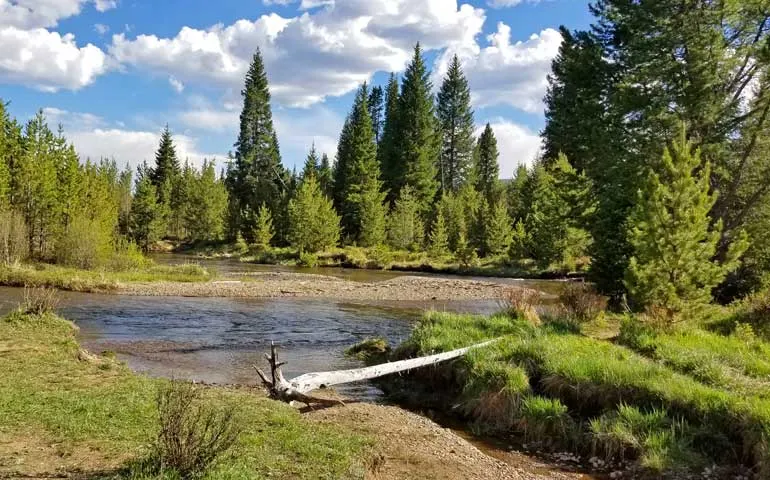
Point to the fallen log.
(297, 388)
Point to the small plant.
(309, 260)
(193, 434)
(369, 349)
(581, 303)
(546, 420)
(521, 302)
(39, 301)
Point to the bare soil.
(412, 447)
(274, 285)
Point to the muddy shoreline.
(291, 285)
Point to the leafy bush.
(193, 435)
(85, 244)
(309, 260)
(127, 257)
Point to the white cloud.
(328, 52)
(95, 138)
(104, 5)
(176, 84)
(507, 73)
(517, 145)
(47, 60)
(508, 3)
(28, 14)
(101, 28)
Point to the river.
(217, 340)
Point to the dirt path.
(412, 447)
(272, 285)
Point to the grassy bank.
(63, 413)
(73, 279)
(382, 258)
(672, 403)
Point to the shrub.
(193, 434)
(14, 244)
(581, 303)
(85, 244)
(521, 302)
(127, 257)
(39, 301)
(369, 349)
(309, 260)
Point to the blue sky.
(114, 72)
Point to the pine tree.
(312, 166)
(362, 183)
(547, 218)
(405, 227)
(498, 231)
(515, 193)
(325, 176)
(207, 205)
(257, 177)
(375, 102)
(388, 148)
(166, 168)
(146, 224)
(341, 168)
(672, 235)
(373, 216)
(315, 226)
(263, 229)
(487, 168)
(455, 118)
(418, 138)
(439, 239)
(518, 249)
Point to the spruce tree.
(341, 170)
(362, 183)
(315, 226)
(375, 102)
(146, 222)
(455, 118)
(515, 193)
(373, 216)
(418, 138)
(498, 231)
(405, 227)
(263, 229)
(166, 168)
(487, 168)
(439, 239)
(312, 166)
(673, 239)
(206, 206)
(325, 176)
(257, 177)
(388, 148)
(547, 220)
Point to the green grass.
(65, 278)
(97, 413)
(579, 387)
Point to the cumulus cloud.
(508, 3)
(176, 84)
(517, 145)
(101, 28)
(28, 14)
(48, 60)
(104, 5)
(508, 73)
(327, 52)
(95, 138)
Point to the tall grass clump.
(39, 301)
(521, 303)
(192, 435)
(546, 421)
(581, 303)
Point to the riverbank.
(283, 285)
(71, 414)
(381, 258)
(643, 404)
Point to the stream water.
(217, 340)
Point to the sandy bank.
(274, 285)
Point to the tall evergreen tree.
(312, 165)
(405, 227)
(672, 235)
(515, 193)
(439, 239)
(167, 168)
(146, 221)
(341, 169)
(498, 230)
(263, 229)
(206, 205)
(325, 175)
(418, 138)
(257, 176)
(388, 148)
(375, 103)
(487, 168)
(456, 121)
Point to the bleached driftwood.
(297, 388)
